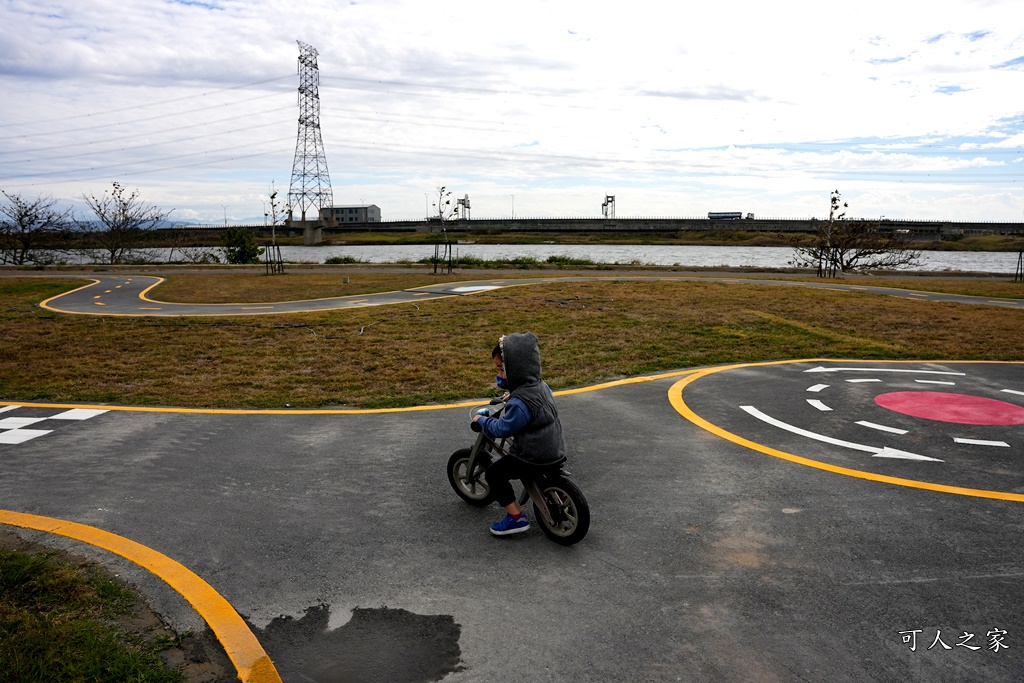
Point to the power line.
(142, 135)
(110, 166)
(155, 170)
(130, 121)
(143, 105)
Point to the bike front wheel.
(569, 511)
(472, 487)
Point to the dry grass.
(1003, 288)
(226, 288)
(439, 351)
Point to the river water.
(627, 254)
(640, 254)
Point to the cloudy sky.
(910, 109)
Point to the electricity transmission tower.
(311, 183)
(608, 207)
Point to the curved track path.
(128, 295)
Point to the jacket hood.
(521, 356)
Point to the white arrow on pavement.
(875, 451)
(923, 372)
(902, 455)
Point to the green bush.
(563, 260)
(240, 246)
(337, 260)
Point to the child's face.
(498, 364)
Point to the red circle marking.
(957, 408)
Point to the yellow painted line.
(250, 660)
(108, 291)
(334, 303)
(339, 411)
(99, 303)
(675, 395)
(149, 308)
(97, 296)
(46, 303)
(623, 382)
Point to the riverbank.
(474, 257)
(717, 238)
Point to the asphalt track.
(725, 546)
(128, 295)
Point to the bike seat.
(549, 465)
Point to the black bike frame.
(499, 449)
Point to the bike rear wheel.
(569, 511)
(474, 491)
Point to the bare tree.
(846, 245)
(184, 248)
(123, 223)
(443, 206)
(30, 228)
(445, 213)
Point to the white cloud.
(194, 103)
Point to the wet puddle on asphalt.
(376, 645)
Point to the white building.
(362, 213)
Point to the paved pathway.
(129, 295)
(723, 547)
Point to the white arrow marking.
(874, 450)
(817, 387)
(903, 455)
(474, 288)
(979, 442)
(922, 372)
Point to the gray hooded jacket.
(540, 442)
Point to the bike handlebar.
(496, 406)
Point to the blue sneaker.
(510, 525)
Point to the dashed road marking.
(982, 442)
(881, 428)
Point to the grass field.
(437, 351)
(65, 620)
